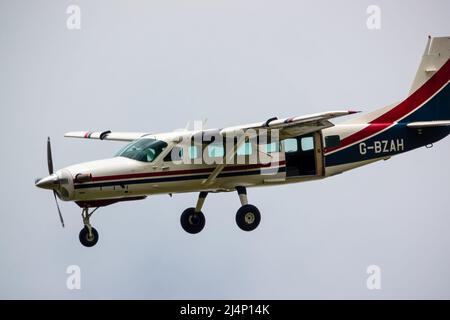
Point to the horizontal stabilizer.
(428, 124)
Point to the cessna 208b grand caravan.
(267, 153)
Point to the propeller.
(50, 171)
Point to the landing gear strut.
(88, 235)
(192, 219)
(248, 216)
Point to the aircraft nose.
(50, 182)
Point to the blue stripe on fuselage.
(397, 139)
(438, 108)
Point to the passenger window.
(245, 149)
(290, 145)
(193, 152)
(178, 151)
(307, 143)
(215, 150)
(270, 147)
(332, 141)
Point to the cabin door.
(303, 155)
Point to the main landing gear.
(88, 235)
(248, 216)
(192, 219)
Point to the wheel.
(191, 221)
(248, 217)
(86, 240)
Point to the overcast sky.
(152, 66)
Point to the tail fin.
(436, 54)
(429, 98)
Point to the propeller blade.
(49, 157)
(59, 210)
(50, 171)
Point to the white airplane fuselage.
(120, 177)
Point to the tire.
(248, 217)
(192, 222)
(86, 240)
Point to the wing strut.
(227, 157)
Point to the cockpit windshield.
(145, 150)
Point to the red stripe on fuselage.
(421, 95)
(181, 172)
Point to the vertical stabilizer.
(437, 52)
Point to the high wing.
(287, 127)
(106, 135)
(294, 126)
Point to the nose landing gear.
(88, 235)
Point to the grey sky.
(154, 65)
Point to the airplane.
(267, 153)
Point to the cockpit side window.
(145, 150)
